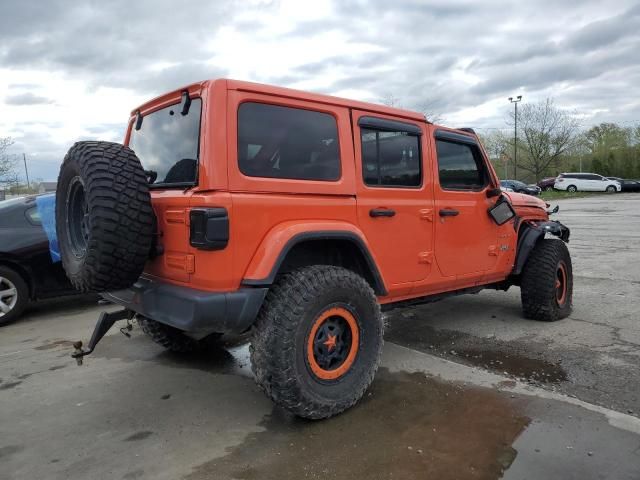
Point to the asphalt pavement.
(467, 389)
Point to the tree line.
(551, 141)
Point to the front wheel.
(14, 295)
(611, 189)
(317, 342)
(546, 287)
(548, 188)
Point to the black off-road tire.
(18, 283)
(281, 334)
(104, 219)
(539, 284)
(173, 339)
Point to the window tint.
(167, 145)
(459, 167)
(284, 142)
(390, 159)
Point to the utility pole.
(26, 170)
(515, 136)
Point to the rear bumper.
(195, 312)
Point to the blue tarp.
(47, 210)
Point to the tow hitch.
(105, 322)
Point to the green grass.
(560, 194)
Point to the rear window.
(167, 145)
(284, 142)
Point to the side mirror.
(502, 212)
(494, 192)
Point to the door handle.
(381, 212)
(449, 212)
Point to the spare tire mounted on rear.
(104, 219)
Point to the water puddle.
(408, 426)
(500, 357)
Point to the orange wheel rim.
(332, 344)
(561, 283)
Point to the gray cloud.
(110, 43)
(27, 98)
(448, 55)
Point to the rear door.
(394, 197)
(167, 141)
(466, 236)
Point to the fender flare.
(530, 234)
(313, 232)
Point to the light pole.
(515, 136)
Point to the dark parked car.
(627, 184)
(29, 263)
(547, 183)
(520, 187)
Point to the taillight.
(209, 229)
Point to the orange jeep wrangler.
(234, 207)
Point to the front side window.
(460, 166)
(390, 158)
(167, 145)
(285, 142)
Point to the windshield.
(167, 145)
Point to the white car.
(586, 182)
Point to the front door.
(394, 199)
(466, 236)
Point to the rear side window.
(460, 166)
(390, 158)
(284, 142)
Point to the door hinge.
(425, 257)
(186, 263)
(426, 214)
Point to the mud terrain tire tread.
(167, 336)
(173, 339)
(120, 216)
(537, 287)
(288, 305)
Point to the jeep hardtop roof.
(285, 92)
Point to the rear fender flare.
(273, 249)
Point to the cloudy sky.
(73, 70)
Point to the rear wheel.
(572, 189)
(548, 188)
(546, 287)
(317, 342)
(173, 339)
(14, 295)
